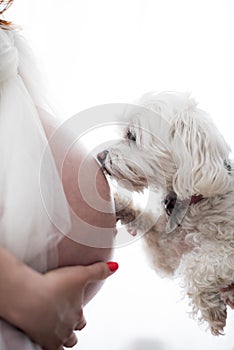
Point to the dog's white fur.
(172, 146)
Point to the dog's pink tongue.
(132, 232)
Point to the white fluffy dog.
(172, 146)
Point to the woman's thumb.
(100, 271)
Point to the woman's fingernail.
(113, 266)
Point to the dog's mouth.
(105, 170)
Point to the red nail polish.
(113, 266)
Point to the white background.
(105, 51)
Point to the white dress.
(34, 213)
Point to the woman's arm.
(48, 308)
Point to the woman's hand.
(64, 290)
(49, 307)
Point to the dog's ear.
(200, 154)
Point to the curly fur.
(171, 145)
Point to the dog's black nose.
(102, 156)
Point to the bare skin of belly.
(99, 214)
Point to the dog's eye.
(131, 135)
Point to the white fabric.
(13, 339)
(30, 186)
